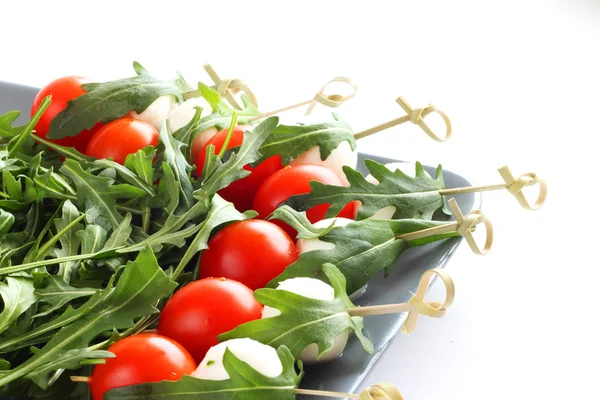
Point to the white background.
(520, 81)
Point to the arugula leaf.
(18, 295)
(232, 169)
(299, 222)
(362, 249)
(6, 221)
(221, 107)
(108, 101)
(98, 195)
(70, 241)
(302, 320)
(140, 286)
(48, 183)
(244, 383)
(69, 360)
(57, 293)
(289, 141)
(93, 239)
(416, 197)
(173, 156)
(7, 130)
(137, 170)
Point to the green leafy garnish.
(303, 321)
(362, 249)
(105, 102)
(416, 197)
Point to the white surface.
(520, 81)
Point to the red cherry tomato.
(141, 358)
(240, 193)
(252, 252)
(293, 180)
(62, 90)
(121, 137)
(204, 309)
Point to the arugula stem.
(50, 243)
(129, 209)
(63, 151)
(19, 139)
(234, 118)
(4, 195)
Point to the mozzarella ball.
(340, 156)
(313, 289)
(408, 169)
(260, 357)
(157, 112)
(304, 245)
(184, 112)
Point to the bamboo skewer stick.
(332, 100)
(464, 225)
(414, 115)
(417, 304)
(382, 391)
(514, 186)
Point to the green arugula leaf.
(69, 360)
(416, 197)
(302, 320)
(70, 241)
(137, 170)
(221, 107)
(299, 222)
(7, 220)
(16, 142)
(57, 293)
(232, 169)
(244, 383)
(289, 141)
(120, 236)
(48, 183)
(186, 133)
(7, 130)
(173, 156)
(108, 101)
(140, 286)
(93, 239)
(8, 163)
(18, 295)
(362, 249)
(98, 195)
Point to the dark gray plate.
(346, 373)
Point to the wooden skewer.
(514, 186)
(414, 115)
(82, 379)
(417, 304)
(332, 100)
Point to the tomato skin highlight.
(241, 192)
(204, 309)
(141, 358)
(62, 90)
(252, 252)
(293, 180)
(120, 138)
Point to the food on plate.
(202, 310)
(141, 358)
(251, 243)
(252, 252)
(292, 181)
(311, 289)
(120, 138)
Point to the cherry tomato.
(293, 180)
(62, 90)
(141, 358)
(121, 137)
(241, 192)
(252, 252)
(204, 309)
